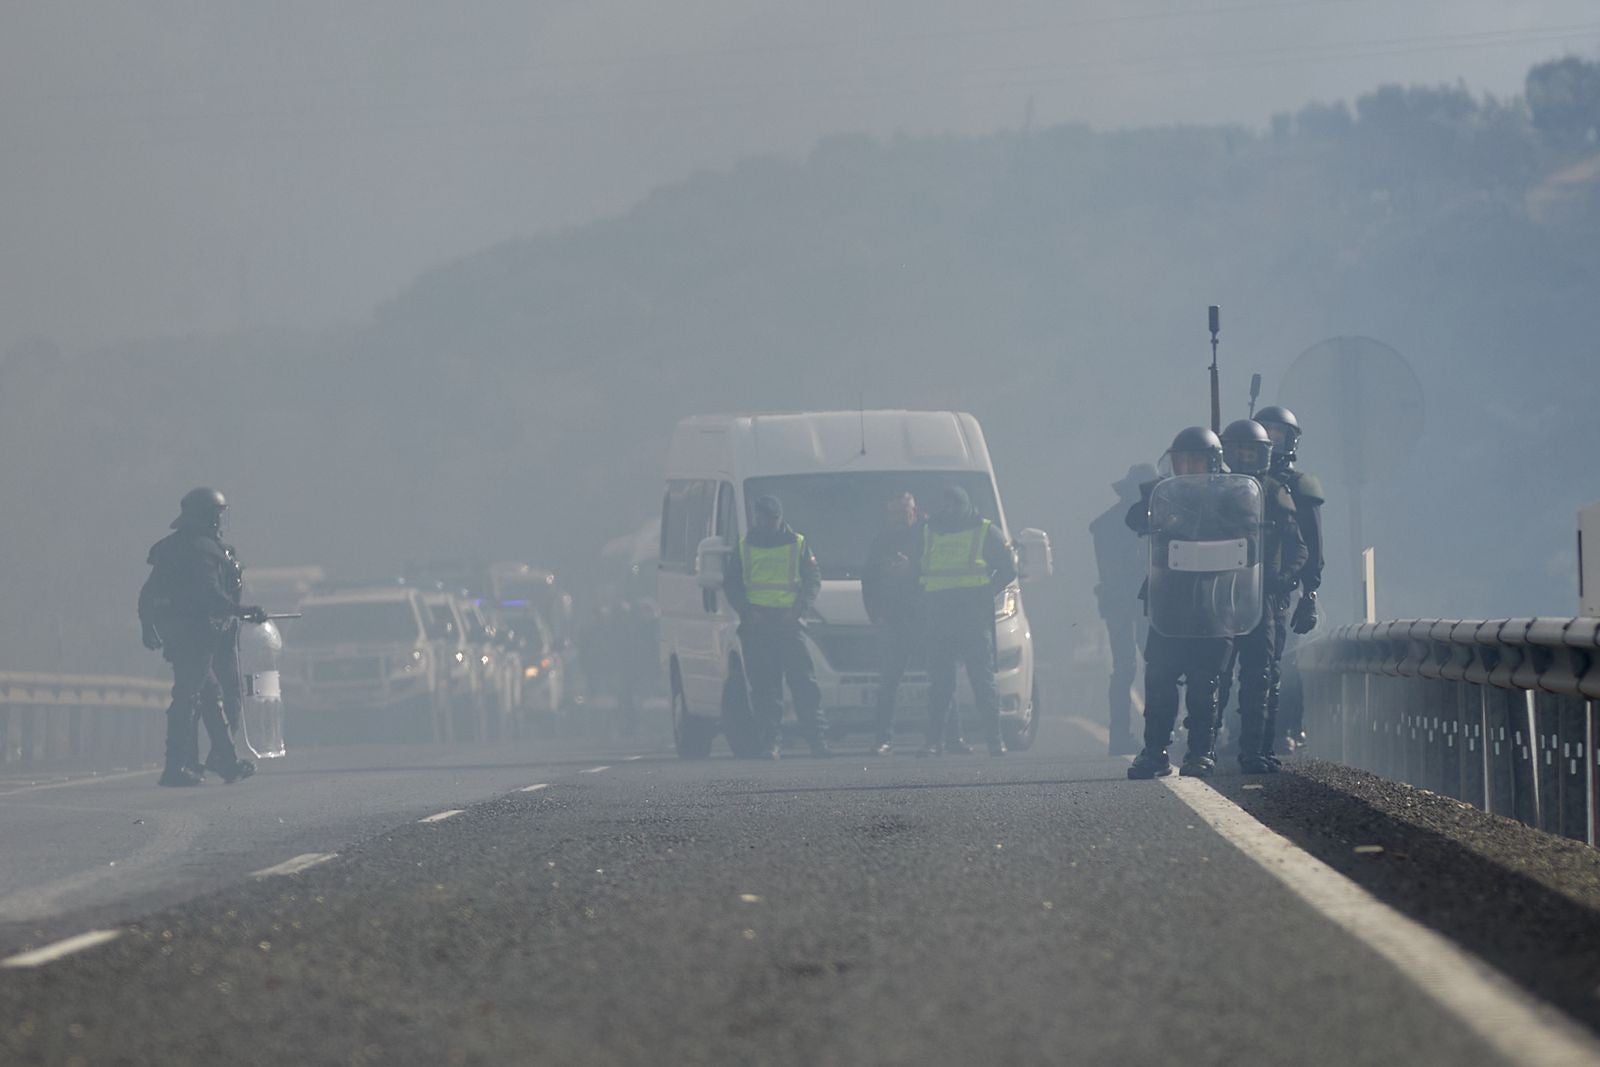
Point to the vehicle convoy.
(360, 666)
(833, 471)
(537, 613)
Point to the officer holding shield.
(1247, 450)
(189, 608)
(1203, 589)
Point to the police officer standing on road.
(1121, 564)
(1306, 490)
(1194, 662)
(965, 564)
(1248, 450)
(893, 597)
(189, 608)
(772, 588)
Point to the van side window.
(686, 516)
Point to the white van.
(834, 471)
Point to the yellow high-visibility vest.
(954, 560)
(772, 575)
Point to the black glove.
(1305, 614)
(152, 639)
(255, 615)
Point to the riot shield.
(260, 649)
(1205, 555)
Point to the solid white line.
(49, 953)
(1092, 728)
(443, 815)
(534, 788)
(595, 770)
(296, 865)
(1485, 1001)
(87, 780)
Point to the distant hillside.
(1053, 282)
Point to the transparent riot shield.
(1205, 555)
(260, 649)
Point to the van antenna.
(861, 404)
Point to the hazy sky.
(175, 166)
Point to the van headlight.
(1008, 604)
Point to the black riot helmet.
(1280, 422)
(201, 509)
(1247, 447)
(1196, 441)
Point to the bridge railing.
(80, 720)
(1500, 713)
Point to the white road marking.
(87, 780)
(1518, 1027)
(1092, 728)
(50, 953)
(443, 815)
(296, 865)
(595, 770)
(534, 788)
(632, 758)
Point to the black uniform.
(1283, 556)
(1121, 562)
(1307, 493)
(893, 600)
(774, 651)
(1196, 663)
(191, 599)
(961, 630)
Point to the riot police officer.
(773, 586)
(189, 608)
(1306, 489)
(1247, 449)
(1195, 662)
(965, 564)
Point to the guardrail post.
(1473, 765)
(1572, 766)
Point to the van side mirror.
(1035, 561)
(708, 562)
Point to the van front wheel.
(1020, 734)
(691, 733)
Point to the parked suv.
(359, 666)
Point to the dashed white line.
(49, 953)
(595, 770)
(534, 788)
(632, 758)
(296, 865)
(441, 816)
(1514, 1024)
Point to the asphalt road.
(1038, 908)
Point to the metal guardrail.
(1500, 713)
(84, 720)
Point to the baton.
(272, 617)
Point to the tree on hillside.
(1564, 98)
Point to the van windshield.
(840, 514)
(373, 621)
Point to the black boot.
(179, 777)
(238, 771)
(1150, 764)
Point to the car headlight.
(1008, 604)
(461, 657)
(531, 672)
